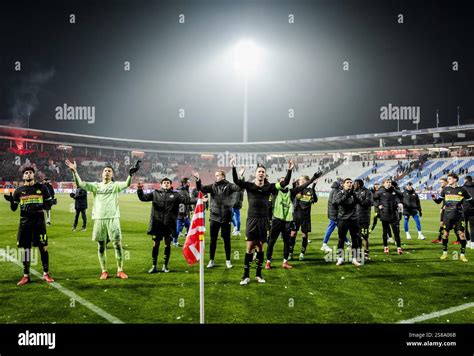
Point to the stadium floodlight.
(247, 57)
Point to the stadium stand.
(358, 156)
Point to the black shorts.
(303, 223)
(161, 231)
(281, 226)
(32, 231)
(456, 223)
(364, 230)
(256, 229)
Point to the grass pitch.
(388, 289)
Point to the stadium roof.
(423, 138)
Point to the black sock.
(44, 259)
(445, 245)
(463, 246)
(26, 267)
(26, 260)
(286, 248)
(304, 244)
(440, 235)
(154, 254)
(167, 254)
(248, 261)
(259, 262)
(398, 242)
(292, 243)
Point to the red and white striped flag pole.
(193, 249)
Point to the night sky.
(186, 66)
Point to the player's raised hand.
(317, 175)
(195, 175)
(232, 161)
(291, 165)
(71, 166)
(134, 169)
(242, 171)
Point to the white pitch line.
(437, 314)
(102, 313)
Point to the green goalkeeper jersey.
(106, 202)
(283, 206)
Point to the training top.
(32, 199)
(453, 198)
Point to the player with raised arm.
(222, 200)
(106, 213)
(258, 193)
(284, 216)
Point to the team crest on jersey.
(38, 191)
(172, 196)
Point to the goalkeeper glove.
(134, 168)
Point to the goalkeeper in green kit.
(106, 213)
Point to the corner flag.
(192, 249)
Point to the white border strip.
(102, 313)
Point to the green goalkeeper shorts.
(107, 228)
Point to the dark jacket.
(364, 200)
(184, 209)
(389, 199)
(222, 199)
(346, 205)
(238, 199)
(164, 208)
(332, 209)
(468, 205)
(80, 198)
(411, 203)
